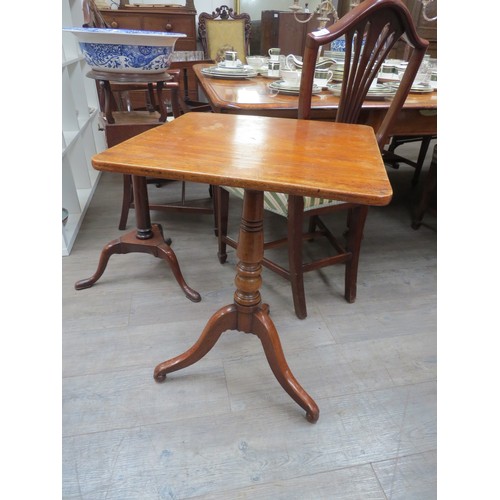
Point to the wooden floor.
(224, 428)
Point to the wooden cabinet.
(280, 29)
(172, 19)
(426, 29)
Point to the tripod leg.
(166, 253)
(266, 331)
(224, 319)
(111, 248)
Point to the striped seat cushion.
(278, 202)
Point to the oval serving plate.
(282, 87)
(236, 74)
(377, 92)
(421, 88)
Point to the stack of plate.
(221, 71)
(416, 88)
(338, 72)
(338, 56)
(376, 92)
(421, 88)
(286, 88)
(338, 68)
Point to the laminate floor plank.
(409, 477)
(201, 455)
(354, 483)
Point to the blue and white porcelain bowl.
(338, 45)
(126, 51)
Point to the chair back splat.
(371, 30)
(223, 30)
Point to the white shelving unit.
(81, 137)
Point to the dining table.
(212, 148)
(253, 96)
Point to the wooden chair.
(370, 29)
(393, 159)
(223, 30)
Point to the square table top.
(301, 157)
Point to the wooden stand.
(247, 314)
(146, 238)
(104, 80)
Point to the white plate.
(421, 89)
(215, 72)
(228, 70)
(375, 93)
(281, 84)
(232, 69)
(285, 88)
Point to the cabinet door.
(292, 34)
(281, 29)
(269, 30)
(426, 29)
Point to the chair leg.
(426, 140)
(295, 231)
(392, 147)
(356, 218)
(128, 198)
(429, 186)
(313, 222)
(221, 207)
(215, 209)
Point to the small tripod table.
(147, 237)
(300, 157)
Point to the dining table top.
(252, 96)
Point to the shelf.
(75, 219)
(75, 60)
(81, 137)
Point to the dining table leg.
(247, 314)
(146, 238)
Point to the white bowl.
(126, 51)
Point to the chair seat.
(278, 202)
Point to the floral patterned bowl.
(126, 51)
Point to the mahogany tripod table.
(146, 238)
(258, 154)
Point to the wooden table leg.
(146, 238)
(247, 314)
